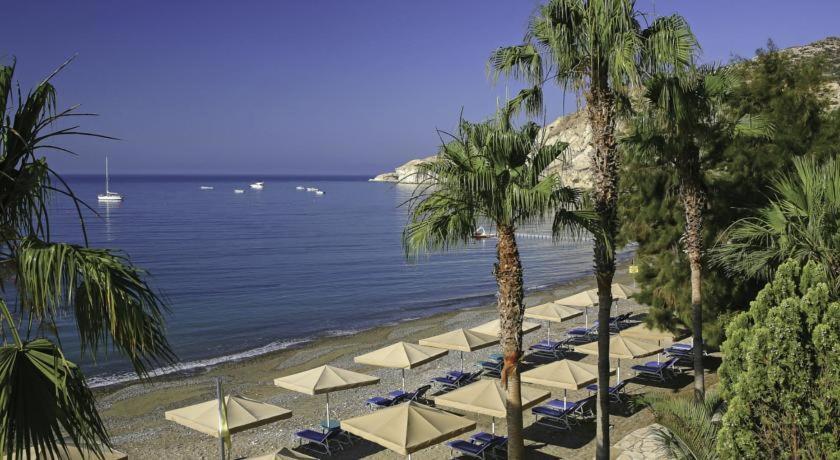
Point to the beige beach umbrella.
(74, 453)
(325, 380)
(487, 397)
(552, 313)
(242, 414)
(493, 328)
(401, 355)
(583, 300)
(407, 428)
(622, 347)
(461, 340)
(564, 374)
(653, 334)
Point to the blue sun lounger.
(479, 446)
(323, 440)
(452, 381)
(550, 348)
(616, 393)
(555, 417)
(662, 371)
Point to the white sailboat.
(108, 195)
(257, 185)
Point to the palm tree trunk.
(604, 165)
(693, 198)
(511, 310)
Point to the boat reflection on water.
(104, 211)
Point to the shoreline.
(201, 365)
(133, 411)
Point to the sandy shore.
(134, 412)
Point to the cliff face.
(574, 129)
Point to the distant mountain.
(574, 129)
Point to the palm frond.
(108, 297)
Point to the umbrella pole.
(586, 317)
(548, 333)
(403, 378)
(618, 372)
(221, 400)
(493, 425)
(564, 399)
(462, 361)
(328, 410)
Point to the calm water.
(254, 272)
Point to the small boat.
(319, 192)
(481, 234)
(257, 185)
(108, 195)
(311, 189)
(300, 188)
(238, 190)
(204, 187)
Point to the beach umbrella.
(74, 453)
(583, 300)
(325, 380)
(461, 340)
(407, 428)
(401, 355)
(564, 374)
(237, 414)
(552, 313)
(622, 347)
(660, 336)
(493, 327)
(487, 397)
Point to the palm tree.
(43, 396)
(492, 172)
(600, 50)
(802, 222)
(691, 431)
(680, 119)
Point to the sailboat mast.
(106, 175)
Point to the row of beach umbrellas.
(407, 428)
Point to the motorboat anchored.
(300, 188)
(257, 185)
(108, 195)
(311, 189)
(205, 187)
(238, 190)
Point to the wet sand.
(134, 412)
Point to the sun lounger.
(450, 383)
(619, 322)
(616, 393)
(554, 417)
(582, 409)
(662, 371)
(393, 398)
(551, 349)
(480, 445)
(322, 440)
(492, 368)
(419, 395)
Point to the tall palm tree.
(680, 119)
(492, 172)
(600, 50)
(802, 222)
(43, 396)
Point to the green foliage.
(738, 174)
(801, 222)
(691, 432)
(781, 370)
(43, 396)
(489, 172)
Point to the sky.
(309, 87)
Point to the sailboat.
(108, 195)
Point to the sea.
(249, 273)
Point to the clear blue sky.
(352, 87)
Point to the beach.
(134, 413)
